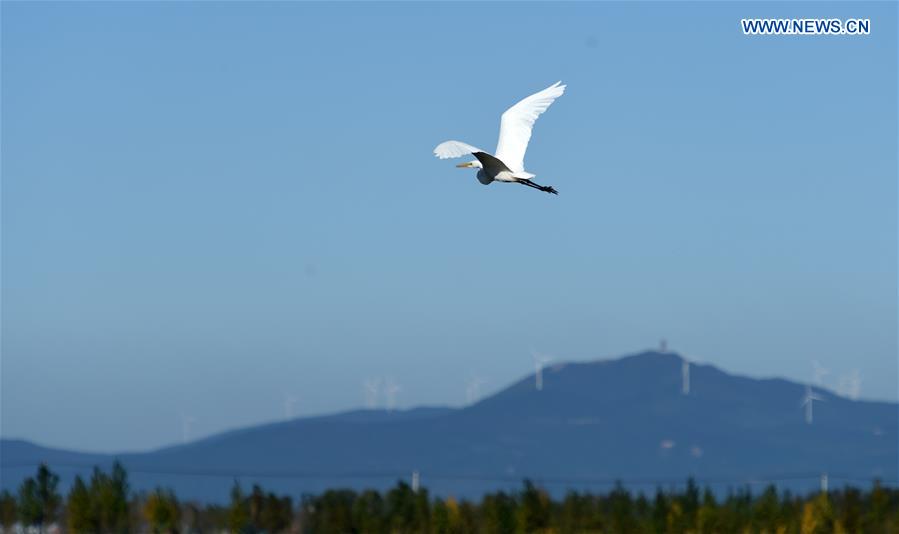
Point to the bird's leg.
(544, 188)
(548, 189)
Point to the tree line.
(106, 504)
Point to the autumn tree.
(817, 515)
(8, 513)
(162, 511)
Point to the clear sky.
(210, 207)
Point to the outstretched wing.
(454, 149)
(517, 123)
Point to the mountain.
(592, 423)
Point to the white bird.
(507, 165)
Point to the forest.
(106, 504)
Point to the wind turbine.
(539, 362)
(370, 388)
(186, 423)
(473, 389)
(685, 375)
(851, 385)
(391, 389)
(290, 401)
(808, 401)
(818, 372)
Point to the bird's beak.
(464, 165)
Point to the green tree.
(440, 520)
(255, 505)
(534, 509)
(851, 509)
(39, 499)
(8, 513)
(467, 516)
(277, 513)
(707, 517)
(766, 510)
(642, 513)
(368, 512)
(79, 509)
(878, 508)
(162, 511)
(423, 510)
(450, 517)
(330, 512)
(498, 513)
(690, 504)
(238, 513)
(660, 511)
(209, 518)
(109, 499)
(119, 489)
(621, 510)
(407, 510)
(114, 500)
(576, 514)
(101, 507)
(736, 512)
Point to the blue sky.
(208, 207)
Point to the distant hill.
(592, 423)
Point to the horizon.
(220, 214)
(452, 407)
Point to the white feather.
(517, 123)
(454, 149)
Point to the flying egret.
(514, 133)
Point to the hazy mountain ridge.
(625, 418)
